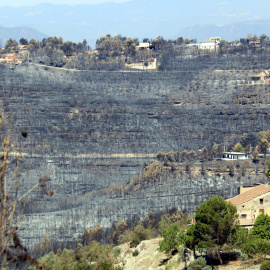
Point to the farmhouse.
(235, 155)
(251, 202)
(11, 58)
(210, 44)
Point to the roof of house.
(262, 73)
(208, 41)
(11, 54)
(249, 194)
(235, 153)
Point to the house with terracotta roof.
(251, 202)
(11, 58)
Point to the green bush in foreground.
(199, 264)
(256, 246)
(265, 265)
(92, 257)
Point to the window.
(261, 201)
(261, 211)
(243, 216)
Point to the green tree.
(231, 168)
(215, 220)
(129, 47)
(256, 246)
(158, 43)
(245, 140)
(217, 151)
(23, 41)
(119, 229)
(264, 135)
(267, 173)
(173, 236)
(238, 148)
(239, 237)
(223, 46)
(190, 240)
(265, 265)
(57, 58)
(11, 45)
(117, 46)
(255, 153)
(264, 144)
(261, 227)
(179, 40)
(204, 154)
(96, 233)
(104, 45)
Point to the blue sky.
(19, 3)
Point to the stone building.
(251, 202)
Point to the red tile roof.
(249, 194)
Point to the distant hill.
(18, 32)
(139, 18)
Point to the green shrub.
(207, 267)
(198, 264)
(172, 237)
(140, 234)
(135, 253)
(116, 252)
(107, 266)
(81, 266)
(243, 256)
(265, 265)
(256, 245)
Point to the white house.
(143, 45)
(235, 155)
(210, 44)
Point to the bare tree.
(13, 197)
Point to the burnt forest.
(97, 134)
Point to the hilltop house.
(143, 46)
(260, 78)
(11, 58)
(251, 202)
(149, 64)
(210, 44)
(22, 47)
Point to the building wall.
(235, 156)
(253, 208)
(12, 59)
